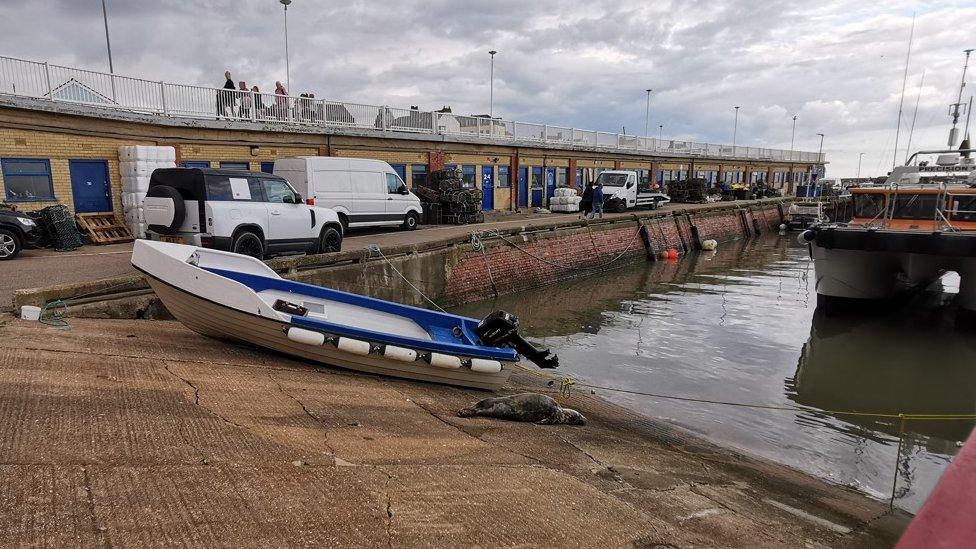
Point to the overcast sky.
(837, 65)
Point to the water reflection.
(739, 325)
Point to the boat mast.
(908, 148)
(954, 109)
(904, 82)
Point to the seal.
(531, 407)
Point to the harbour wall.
(455, 270)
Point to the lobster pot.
(136, 165)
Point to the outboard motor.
(500, 329)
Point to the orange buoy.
(672, 254)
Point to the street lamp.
(735, 127)
(286, 3)
(859, 155)
(792, 137)
(491, 100)
(108, 43)
(647, 111)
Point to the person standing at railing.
(259, 111)
(225, 99)
(281, 101)
(246, 101)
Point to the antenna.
(908, 148)
(955, 108)
(904, 82)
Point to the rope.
(479, 246)
(53, 314)
(566, 382)
(563, 266)
(373, 248)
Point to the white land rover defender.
(250, 213)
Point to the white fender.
(307, 337)
(485, 366)
(353, 346)
(444, 361)
(400, 353)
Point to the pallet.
(104, 228)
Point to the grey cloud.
(579, 63)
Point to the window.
(235, 166)
(222, 189)
(612, 179)
(536, 179)
(393, 183)
(278, 191)
(504, 177)
(28, 179)
(267, 167)
(916, 206)
(579, 177)
(562, 177)
(868, 205)
(195, 164)
(964, 208)
(400, 169)
(418, 175)
(467, 176)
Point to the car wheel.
(10, 245)
(248, 243)
(411, 221)
(330, 240)
(621, 207)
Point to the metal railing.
(66, 84)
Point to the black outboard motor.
(500, 329)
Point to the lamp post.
(647, 111)
(792, 137)
(108, 43)
(859, 156)
(820, 151)
(286, 3)
(735, 128)
(491, 99)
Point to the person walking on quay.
(225, 99)
(586, 204)
(597, 212)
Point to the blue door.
(537, 186)
(487, 188)
(267, 167)
(550, 183)
(523, 187)
(401, 170)
(195, 163)
(90, 186)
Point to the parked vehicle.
(250, 213)
(17, 231)
(621, 192)
(364, 193)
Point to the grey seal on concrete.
(525, 407)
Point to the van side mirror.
(403, 190)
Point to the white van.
(365, 193)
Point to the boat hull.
(214, 320)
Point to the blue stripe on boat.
(439, 325)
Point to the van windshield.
(612, 179)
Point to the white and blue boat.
(239, 298)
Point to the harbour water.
(741, 325)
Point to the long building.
(60, 129)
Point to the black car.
(17, 231)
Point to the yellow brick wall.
(635, 165)
(59, 148)
(476, 159)
(557, 162)
(595, 164)
(390, 157)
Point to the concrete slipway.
(142, 433)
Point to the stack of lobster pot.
(136, 164)
(565, 199)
